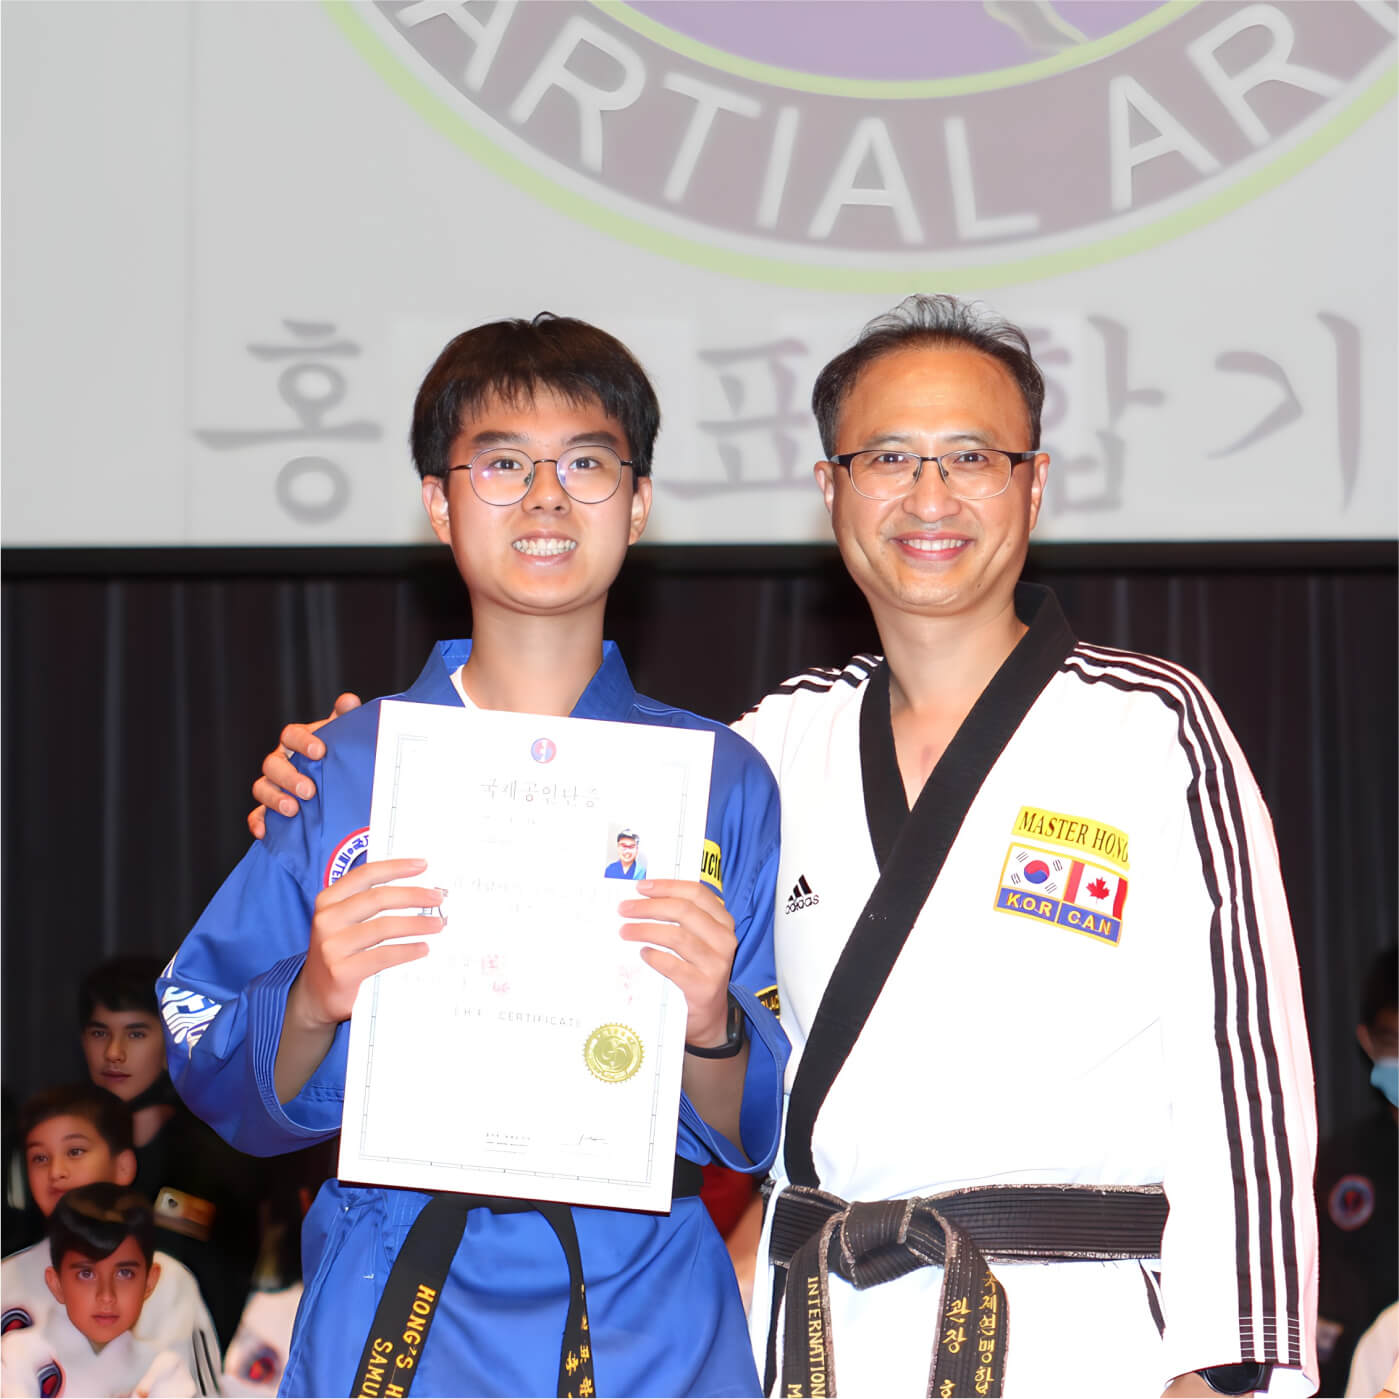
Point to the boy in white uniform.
(76, 1135)
(102, 1271)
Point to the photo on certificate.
(554, 1048)
(628, 857)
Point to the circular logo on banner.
(1351, 1202)
(856, 145)
(613, 1053)
(543, 750)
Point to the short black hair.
(109, 1116)
(1380, 992)
(939, 320)
(94, 1219)
(124, 983)
(512, 361)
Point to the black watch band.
(1242, 1378)
(736, 1038)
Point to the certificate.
(532, 1053)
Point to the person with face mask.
(1356, 1193)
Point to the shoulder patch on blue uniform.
(712, 866)
(353, 848)
(187, 1014)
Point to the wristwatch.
(735, 1040)
(1242, 1378)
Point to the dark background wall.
(141, 688)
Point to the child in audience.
(102, 1271)
(206, 1194)
(75, 1136)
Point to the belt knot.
(873, 1241)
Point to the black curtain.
(141, 688)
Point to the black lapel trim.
(886, 806)
(915, 860)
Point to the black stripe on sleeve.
(821, 679)
(1217, 820)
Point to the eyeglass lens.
(970, 475)
(503, 475)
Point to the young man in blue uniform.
(534, 443)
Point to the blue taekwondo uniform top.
(665, 1311)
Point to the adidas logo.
(801, 896)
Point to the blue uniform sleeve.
(741, 851)
(224, 994)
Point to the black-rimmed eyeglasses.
(504, 475)
(976, 473)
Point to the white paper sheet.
(532, 1053)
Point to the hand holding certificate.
(533, 1052)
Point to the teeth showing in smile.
(930, 545)
(544, 548)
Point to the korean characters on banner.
(304, 446)
(287, 429)
(1121, 397)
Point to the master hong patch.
(1054, 886)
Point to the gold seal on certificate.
(613, 1053)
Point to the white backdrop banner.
(236, 234)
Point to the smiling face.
(124, 1049)
(929, 553)
(547, 555)
(66, 1152)
(104, 1296)
(626, 851)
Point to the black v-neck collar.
(1048, 638)
(886, 803)
(916, 857)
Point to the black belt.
(393, 1349)
(815, 1234)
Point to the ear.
(640, 509)
(124, 1168)
(152, 1277)
(435, 503)
(54, 1285)
(1040, 469)
(825, 475)
(1366, 1041)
